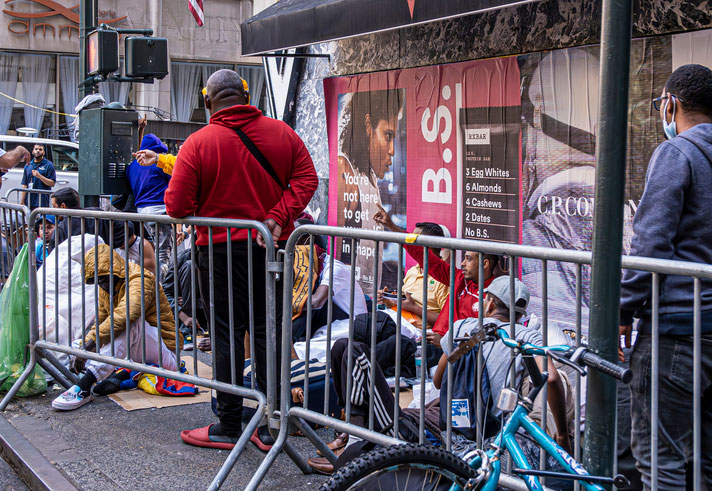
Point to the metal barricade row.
(276, 404)
(119, 271)
(518, 255)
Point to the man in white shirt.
(341, 296)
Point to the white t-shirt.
(342, 286)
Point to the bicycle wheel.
(401, 468)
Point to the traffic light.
(146, 57)
(102, 52)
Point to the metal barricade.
(545, 257)
(13, 228)
(13, 194)
(137, 344)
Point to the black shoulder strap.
(259, 156)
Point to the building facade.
(39, 63)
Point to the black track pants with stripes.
(383, 401)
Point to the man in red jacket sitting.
(466, 291)
(219, 172)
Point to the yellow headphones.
(244, 87)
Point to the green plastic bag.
(15, 331)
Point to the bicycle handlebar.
(581, 355)
(602, 365)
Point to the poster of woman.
(371, 173)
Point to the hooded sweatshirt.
(148, 183)
(215, 175)
(673, 221)
(103, 268)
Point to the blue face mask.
(670, 129)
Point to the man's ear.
(488, 306)
(487, 265)
(208, 103)
(369, 127)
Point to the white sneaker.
(71, 398)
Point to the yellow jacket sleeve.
(166, 161)
(133, 298)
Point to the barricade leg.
(314, 438)
(16, 386)
(56, 375)
(44, 355)
(237, 450)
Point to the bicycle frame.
(506, 440)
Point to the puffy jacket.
(168, 326)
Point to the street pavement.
(103, 447)
(9, 481)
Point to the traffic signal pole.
(600, 434)
(88, 20)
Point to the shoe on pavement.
(71, 398)
(262, 438)
(339, 442)
(201, 437)
(321, 465)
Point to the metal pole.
(599, 445)
(88, 19)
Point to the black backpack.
(464, 397)
(385, 327)
(386, 343)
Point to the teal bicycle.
(421, 467)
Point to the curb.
(32, 467)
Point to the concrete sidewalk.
(103, 447)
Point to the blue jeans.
(675, 413)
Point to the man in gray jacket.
(673, 221)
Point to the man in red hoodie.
(217, 175)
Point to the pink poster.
(435, 144)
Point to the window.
(187, 79)
(65, 158)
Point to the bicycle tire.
(411, 459)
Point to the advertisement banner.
(497, 150)
(433, 144)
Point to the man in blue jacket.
(673, 221)
(149, 184)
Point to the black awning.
(295, 23)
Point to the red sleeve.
(442, 323)
(437, 268)
(181, 196)
(301, 186)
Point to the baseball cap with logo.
(500, 289)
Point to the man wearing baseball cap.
(497, 305)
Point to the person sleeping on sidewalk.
(113, 307)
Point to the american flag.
(196, 8)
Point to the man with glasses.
(673, 221)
